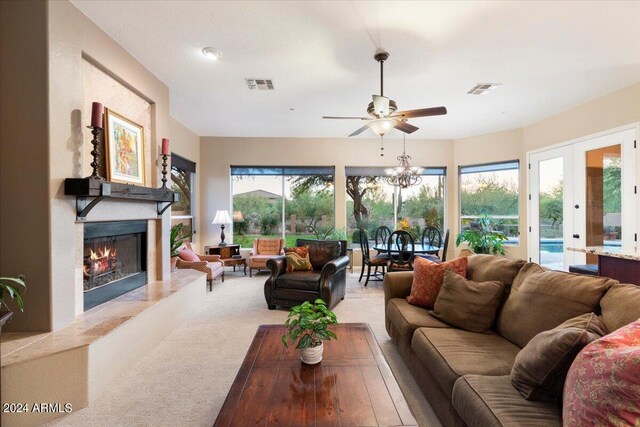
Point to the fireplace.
(114, 260)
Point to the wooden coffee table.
(352, 386)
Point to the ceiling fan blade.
(349, 118)
(381, 105)
(406, 127)
(359, 131)
(423, 112)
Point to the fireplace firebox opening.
(114, 260)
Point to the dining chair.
(382, 234)
(377, 261)
(431, 236)
(445, 246)
(401, 250)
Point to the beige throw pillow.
(541, 367)
(467, 304)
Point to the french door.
(582, 194)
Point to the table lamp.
(222, 218)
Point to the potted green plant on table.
(10, 288)
(482, 238)
(177, 236)
(308, 325)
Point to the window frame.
(283, 172)
(476, 168)
(182, 163)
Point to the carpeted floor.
(184, 381)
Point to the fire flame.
(100, 261)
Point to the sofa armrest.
(397, 285)
(190, 264)
(277, 266)
(210, 258)
(333, 267)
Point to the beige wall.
(24, 157)
(218, 154)
(187, 144)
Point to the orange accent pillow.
(428, 277)
(298, 259)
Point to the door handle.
(576, 236)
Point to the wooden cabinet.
(227, 251)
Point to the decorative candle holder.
(95, 153)
(164, 170)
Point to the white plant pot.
(311, 355)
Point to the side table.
(228, 262)
(226, 251)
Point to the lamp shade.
(222, 217)
(237, 216)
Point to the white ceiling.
(549, 57)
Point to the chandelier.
(404, 175)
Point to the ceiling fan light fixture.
(382, 126)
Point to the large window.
(289, 202)
(372, 202)
(183, 180)
(491, 189)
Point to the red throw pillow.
(603, 383)
(187, 254)
(428, 277)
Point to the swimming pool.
(557, 245)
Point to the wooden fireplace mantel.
(98, 190)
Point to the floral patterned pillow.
(298, 259)
(603, 383)
(428, 277)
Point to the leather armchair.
(328, 280)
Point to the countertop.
(611, 251)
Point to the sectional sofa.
(466, 375)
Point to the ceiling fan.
(383, 112)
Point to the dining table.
(417, 248)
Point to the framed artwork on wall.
(124, 142)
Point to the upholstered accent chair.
(264, 250)
(209, 264)
(327, 280)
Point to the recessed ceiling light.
(212, 53)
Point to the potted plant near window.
(482, 238)
(10, 288)
(307, 325)
(177, 236)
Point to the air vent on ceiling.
(260, 84)
(482, 88)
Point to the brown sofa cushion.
(487, 401)
(467, 304)
(407, 318)
(483, 268)
(451, 353)
(543, 300)
(542, 365)
(620, 306)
